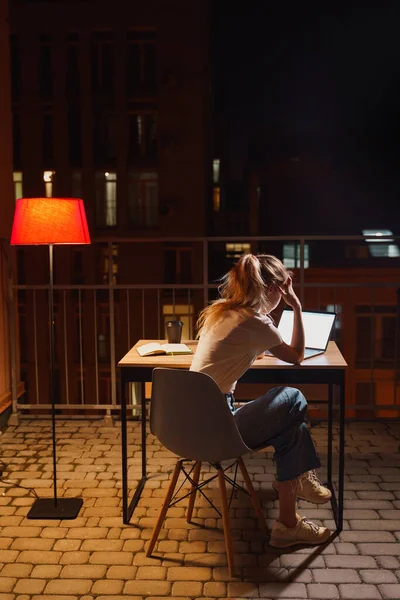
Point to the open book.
(156, 348)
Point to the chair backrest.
(190, 416)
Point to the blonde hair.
(245, 288)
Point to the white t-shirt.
(230, 347)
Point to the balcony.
(110, 294)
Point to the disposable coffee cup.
(174, 331)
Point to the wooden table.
(328, 368)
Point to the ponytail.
(244, 288)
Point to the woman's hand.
(288, 294)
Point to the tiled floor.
(97, 556)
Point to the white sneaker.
(311, 489)
(304, 532)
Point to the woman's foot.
(308, 487)
(311, 489)
(304, 532)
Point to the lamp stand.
(54, 508)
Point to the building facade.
(111, 104)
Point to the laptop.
(317, 328)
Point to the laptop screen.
(317, 328)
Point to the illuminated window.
(106, 199)
(236, 250)
(216, 165)
(142, 135)
(17, 177)
(114, 266)
(48, 178)
(216, 199)
(143, 199)
(379, 247)
(111, 199)
(291, 256)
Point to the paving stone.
(359, 591)
(322, 591)
(391, 591)
(147, 588)
(68, 586)
(30, 586)
(376, 576)
(83, 572)
(332, 575)
(187, 589)
(107, 586)
(7, 584)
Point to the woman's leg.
(277, 419)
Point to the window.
(77, 276)
(17, 178)
(217, 189)
(48, 178)
(72, 80)
(143, 199)
(47, 139)
(236, 250)
(103, 59)
(15, 68)
(141, 69)
(104, 139)
(216, 199)
(74, 137)
(105, 262)
(375, 336)
(178, 264)
(365, 394)
(45, 71)
(216, 167)
(291, 256)
(379, 247)
(17, 142)
(142, 136)
(106, 199)
(76, 184)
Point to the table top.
(331, 359)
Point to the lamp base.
(45, 508)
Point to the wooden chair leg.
(192, 497)
(225, 520)
(164, 508)
(253, 496)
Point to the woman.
(233, 332)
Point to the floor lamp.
(50, 221)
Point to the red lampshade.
(50, 221)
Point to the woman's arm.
(293, 352)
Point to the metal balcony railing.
(96, 324)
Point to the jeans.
(278, 419)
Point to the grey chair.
(190, 416)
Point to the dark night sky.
(324, 75)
